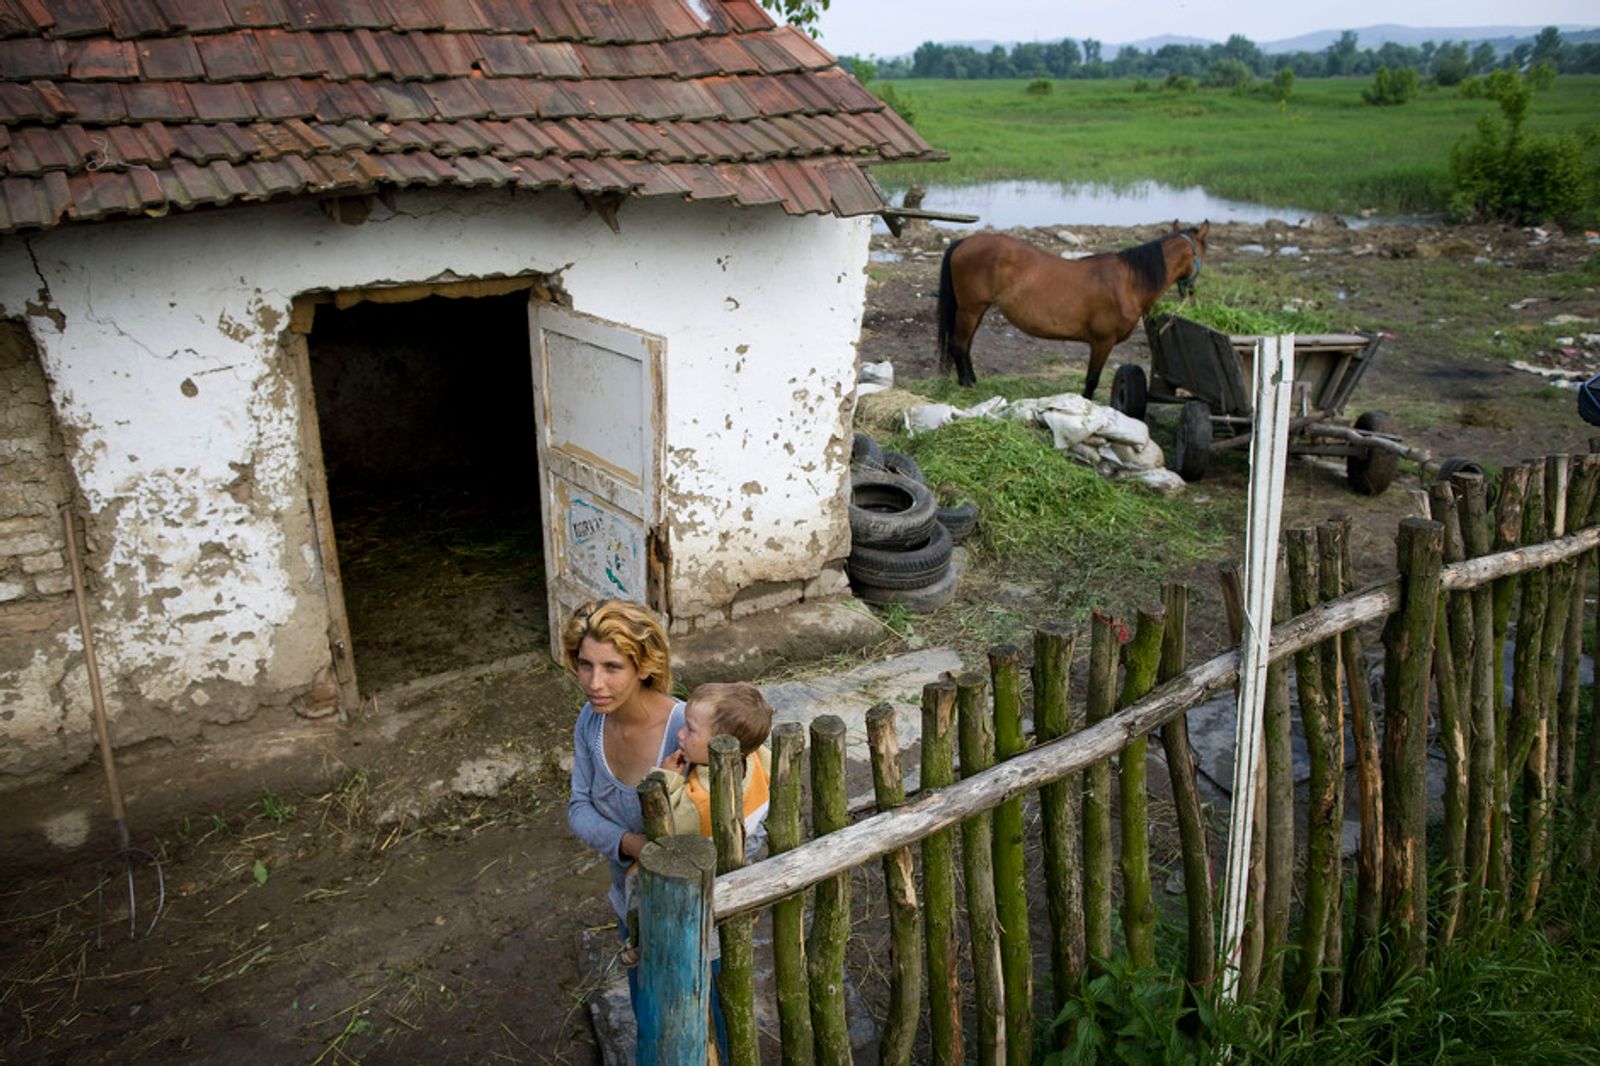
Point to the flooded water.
(1004, 204)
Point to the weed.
(273, 807)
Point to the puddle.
(1005, 204)
(883, 255)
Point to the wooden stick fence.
(1516, 770)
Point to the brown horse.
(1098, 299)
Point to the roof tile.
(79, 18)
(177, 103)
(103, 59)
(169, 59)
(259, 14)
(196, 16)
(232, 57)
(281, 99)
(137, 18)
(292, 55)
(222, 103)
(28, 58)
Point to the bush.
(1391, 88)
(903, 106)
(1503, 174)
(1040, 87)
(1282, 85)
(1523, 180)
(1229, 74)
(1178, 83)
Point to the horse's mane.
(1148, 262)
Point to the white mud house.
(356, 335)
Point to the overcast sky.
(867, 27)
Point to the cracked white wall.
(160, 338)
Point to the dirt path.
(394, 915)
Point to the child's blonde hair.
(629, 628)
(737, 709)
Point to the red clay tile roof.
(123, 107)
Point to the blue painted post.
(675, 876)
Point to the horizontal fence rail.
(751, 888)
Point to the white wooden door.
(598, 396)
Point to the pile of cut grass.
(1039, 509)
(1226, 317)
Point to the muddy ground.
(364, 899)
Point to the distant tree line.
(1448, 63)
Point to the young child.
(738, 710)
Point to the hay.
(883, 413)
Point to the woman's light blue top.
(602, 808)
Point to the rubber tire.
(917, 601)
(864, 451)
(1191, 452)
(889, 511)
(961, 520)
(1374, 470)
(904, 465)
(1457, 464)
(1129, 391)
(914, 568)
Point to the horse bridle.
(1186, 283)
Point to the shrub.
(1229, 74)
(1178, 83)
(1040, 87)
(1503, 174)
(1391, 88)
(1282, 85)
(904, 106)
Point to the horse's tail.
(947, 307)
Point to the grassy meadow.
(1323, 149)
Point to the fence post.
(900, 885)
(1361, 986)
(1452, 643)
(1408, 658)
(1097, 797)
(675, 878)
(1059, 803)
(939, 880)
(1507, 532)
(1324, 823)
(1527, 698)
(1472, 492)
(736, 982)
(1010, 864)
(1587, 470)
(1330, 564)
(788, 914)
(1138, 904)
(1201, 952)
(977, 862)
(830, 916)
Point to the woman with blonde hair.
(629, 724)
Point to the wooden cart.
(1210, 374)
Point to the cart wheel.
(1128, 391)
(1191, 456)
(1457, 464)
(1373, 470)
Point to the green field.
(1323, 149)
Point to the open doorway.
(429, 446)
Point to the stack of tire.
(901, 539)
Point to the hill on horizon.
(1504, 38)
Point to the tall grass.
(1322, 150)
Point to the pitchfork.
(127, 852)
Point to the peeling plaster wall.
(160, 339)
